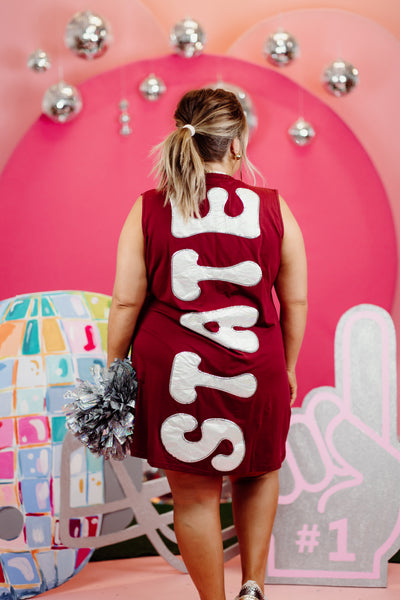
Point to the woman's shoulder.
(153, 194)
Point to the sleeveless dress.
(213, 390)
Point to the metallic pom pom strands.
(102, 413)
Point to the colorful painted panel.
(46, 342)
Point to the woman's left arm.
(130, 286)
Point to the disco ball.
(340, 78)
(39, 61)
(152, 88)
(301, 132)
(281, 48)
(187, 38)
(62, 102)
(87, 35)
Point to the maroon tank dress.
(213, 390)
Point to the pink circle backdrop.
(67, 189)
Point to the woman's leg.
(197, 527)
(254, 503)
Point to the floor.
(151, 578)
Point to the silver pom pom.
(102, 413)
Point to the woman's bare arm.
(130, 286)
(291, 289)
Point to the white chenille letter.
(186, 274)
(214, 431)
(186, 376)
(227, 319)
(247, 224)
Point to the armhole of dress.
(143, 214)
(144, 222)
(280, 226)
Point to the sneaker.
(250, 591)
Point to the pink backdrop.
(67, 189)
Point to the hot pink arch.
(67, 189)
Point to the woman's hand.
(292, 385)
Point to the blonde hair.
(218, 118)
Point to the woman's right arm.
(291, 289)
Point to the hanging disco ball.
(301, 132)
(62, 102)
(244, 99)
(281, 48)
(152, 87)
(187, 38)
(87, 35)
(340, 77)
(39, 61)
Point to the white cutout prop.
(338, 520)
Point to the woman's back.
(228, 257)
(221, 351)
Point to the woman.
(197, 260)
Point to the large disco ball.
(88, 35)
(59, 501)
(62, 102)
(187, 38)
(340, 77)
(47, 341)
(281, 48)
(244, 99)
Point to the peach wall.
(225, 20)
(141, 30)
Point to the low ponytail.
(181, 172)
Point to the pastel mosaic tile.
(85, 364)
(6, 403)
(30, 372)
(99, 305)
(7, 465)
(11, 335)
(38, 531)
(31, 343)
(18, 308)
(47, 308)
(83, 336)
(20, 568)
(6, 433)
(9, 494)
(70, 305)
(6, 373)
(52, 336)
(36, 495)
(55, 398)
(34, 462)
(59, 369)
(30, 401)
(33, 430)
